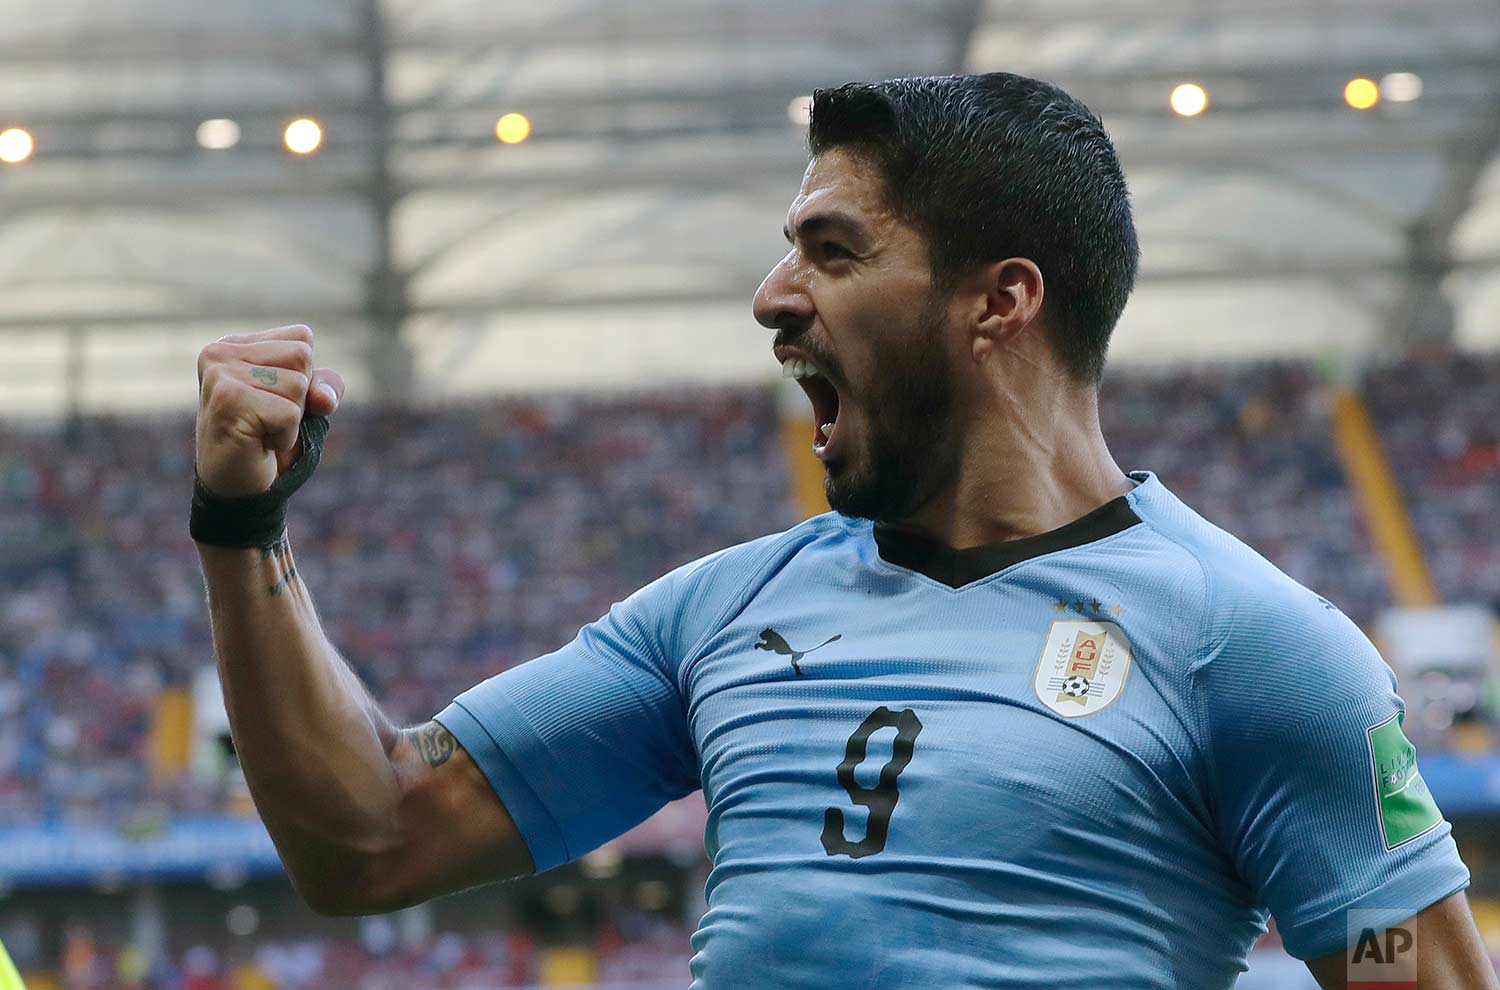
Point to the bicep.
(1448, 948)
(454, 831)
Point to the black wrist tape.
(256, 521)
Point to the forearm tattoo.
(432, 742)
(281, 552)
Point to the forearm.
(315, 748)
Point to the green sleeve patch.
(9, 978)
(1407, 809)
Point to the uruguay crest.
(1083, 666)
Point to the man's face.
(854, 297)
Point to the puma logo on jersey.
(771, 642)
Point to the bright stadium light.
(513, 128)
(1401, 87)
(15, 146)
(799, 111)
(1361, 93)
(218, 134)
(303, 136)
(242, 920)
(1189, 99)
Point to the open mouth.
(823, 395)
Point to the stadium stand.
(444, 545)
(624, 949)
(1437, 417)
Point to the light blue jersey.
(1089, 759)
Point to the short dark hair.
(993, 166)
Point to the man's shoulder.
(742, 560)
(1230, 566)
(1265, 646)
(1243, 599)
(705, 594)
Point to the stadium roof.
(620, 244)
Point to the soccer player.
(1007, 717)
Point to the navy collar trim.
(956, 568)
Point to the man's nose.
(782, 301)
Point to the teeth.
(827, 429)
(800, 368)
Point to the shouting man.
(1008, 716)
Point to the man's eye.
(833, 249)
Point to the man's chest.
(969, 724)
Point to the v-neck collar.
(956, 568)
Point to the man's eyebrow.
(810, 225)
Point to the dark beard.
(911, 446)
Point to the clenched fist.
(252, 391)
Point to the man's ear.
(1008, 297)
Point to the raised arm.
(366, 817)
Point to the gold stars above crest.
(1091, 607)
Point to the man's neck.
(1013, 483)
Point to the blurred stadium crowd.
(443, 546)
(627, 951)
(1439, 419)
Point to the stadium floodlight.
(799, 111)
(513, 128)
(218, 134)
(1401, 87)
(303, 136)
(1189, 99)
(1361, 93)
(16, 146)
(242, 920)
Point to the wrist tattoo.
(281, 552)
(432, 742)
(279, 549)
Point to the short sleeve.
(1316, 790)
(585, 743)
